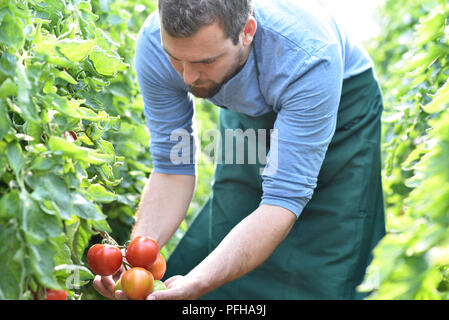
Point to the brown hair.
(183, 18)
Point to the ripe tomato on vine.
(137, 283)
(158, 268)
(142, 252)
(104, 260)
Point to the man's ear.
(249, 30)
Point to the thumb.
(120, 295)
(170, 280)
(168, 294)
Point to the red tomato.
(158, 268)
(142, 252)
(104, 260)
(137, 283)
(56, 295)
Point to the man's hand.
(178, 288)
(159, 215)
(105, 285)
(254, 238)
(244, 248)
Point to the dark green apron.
(327, 251)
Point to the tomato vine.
(69, 113)
(412, 61)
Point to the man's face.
(205, 60)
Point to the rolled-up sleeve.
(168, 110)
(303, 129)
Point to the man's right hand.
(159, 214)
(106, 285)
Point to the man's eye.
(209, 61)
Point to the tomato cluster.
(144, 266)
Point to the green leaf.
(42, 164)
(429, 236)
(413, 157)
(52, 193)
(75, 50)
(10, 205)
(62, 105)
(71, 228)
(440, 100)
(15, 157)
(36, 224)
(11, 32)
(431, 27)
(104, 41)
(81, 237)
(71, 108)
(75, 275)
(87, 113)
(430, 281)
(28, 109)
(8, 64)
(99, 194)
(106, 147)
(63, 256)
(45, 46)
(11, 272)
(5, 123)
(100, 225)
(75, 152)
(107, 63)
(64, 75)
(34, 130)
(53, 9)
(113, 123)
(3, 161)
(42, 263)
(423, 60)
(8, 89)
(107, 175)
(85, 209)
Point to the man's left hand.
(178, 288)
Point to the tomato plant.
(69, 109)
(104, 260)
(142, 251)
(137, 283)
(158, 268)
(411, 55)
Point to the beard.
(209, 88)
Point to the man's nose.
(189, 73)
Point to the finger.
(98, 285)
(108, 283)
(168, 294)
(171, 279)
(120, 295)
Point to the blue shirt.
(302, 56)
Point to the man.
(283, 65)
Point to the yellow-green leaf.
(440, 100)
(75, 50)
